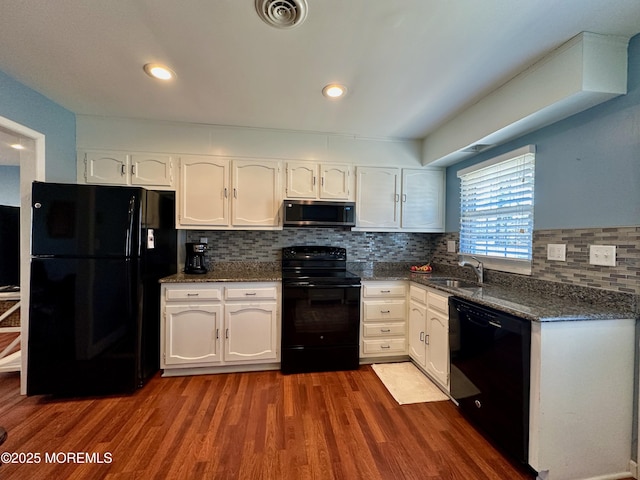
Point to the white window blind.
(496, 206)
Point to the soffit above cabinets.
(587, 70)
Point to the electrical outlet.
(557, 251)
(451, 246)
(602, 255)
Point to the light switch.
(602, 255)
(451, 246)
(557, 251)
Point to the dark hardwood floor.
(265, 425)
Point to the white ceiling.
(409, 65)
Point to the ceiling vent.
(282, 13)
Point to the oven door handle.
(320, 285)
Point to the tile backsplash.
(266, 246)
(576, 270)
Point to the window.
(496, 210)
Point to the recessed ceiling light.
(159, 71)
(334, 90)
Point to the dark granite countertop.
(535, 306)
(232, 272)
(524, 297)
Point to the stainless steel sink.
(454, 283)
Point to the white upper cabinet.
(203, 192)
(378, 198)
(119, 168)
(302, 180)
(335, 182)
(256, 199)
(392, 199)
(423, 201)
(217, 193)
(306, 180)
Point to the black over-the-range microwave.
(317, 213)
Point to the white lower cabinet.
(250, 332)
(384, 319)
(429, 332)
(192, 334)
(219, 325)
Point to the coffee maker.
(195, 262)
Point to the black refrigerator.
(94, 310)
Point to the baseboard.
(633, 467)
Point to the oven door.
(320, 315)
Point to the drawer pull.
(192, 294)
(422, 336)
(385, 311)
(385, 330)
(385, 346)
(385, 291)
(249, 294)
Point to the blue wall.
(587, 166)
(33, 110)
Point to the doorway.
(31, 162)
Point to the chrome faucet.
(478, 269)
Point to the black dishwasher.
(490, 372)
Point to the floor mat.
(407, 384)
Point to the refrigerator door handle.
(129, 234)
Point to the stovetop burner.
(316, 264)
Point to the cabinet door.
(423, 199)
(438, 346)
(251, 332)
(151, 169)
(106, 168)
(192, 334)
(378, 197)
(417, 332)
(335, 182)
(203, 192)
(256, 194)
(302, 180)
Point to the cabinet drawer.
(439, 302)
(390, 310)
(180, 294)
(382, 290)
(418, 294)
(384, 329)
(395, 345)
(256, 293)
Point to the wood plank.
(334, 425)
